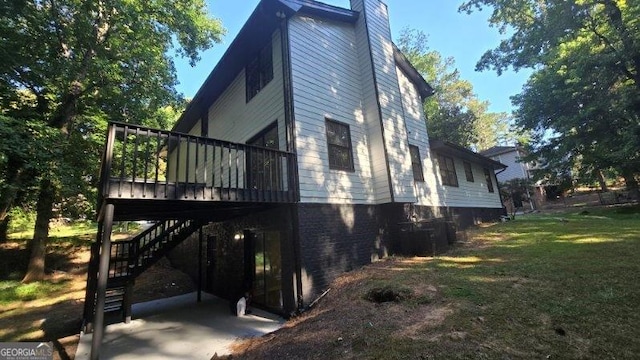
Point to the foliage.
(454, 113)
(70, 67)
(22, 219)
(582, 103)
(515, 192)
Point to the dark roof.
(403, 63)
(445, 147)
(497, 150)
(253, 36)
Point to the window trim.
(419, 176)
(487, 177)
(468, 171)
(259, 63)
(351, 167)
(449, 172)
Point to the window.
(339, 146)
(467, 171)
(416, 163)
(264, 170)
(487, 176)
(259, 72)
(447, 171)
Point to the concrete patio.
(179, 328)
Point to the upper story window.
(487, 176)
(416, 163)
(339, 146)
(447, 171)
(259, 72)
(468, 173)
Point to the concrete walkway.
(179, 328)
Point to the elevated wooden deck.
(155, 174)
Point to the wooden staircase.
(128, 259)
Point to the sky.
(458, 35)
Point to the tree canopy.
(68, 67)
(454, 113)
(582, 103)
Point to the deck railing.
(145, 163)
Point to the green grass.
(12, 291)
(559, 285)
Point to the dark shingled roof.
(497, 150)
(445, 147)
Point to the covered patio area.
(179, 328)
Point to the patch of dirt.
(344, 319)
(58, 318)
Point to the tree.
(582, 103)
(79, 63)
(514, 193)
(454, 113)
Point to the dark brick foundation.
(333, 239)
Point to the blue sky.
(458, 35)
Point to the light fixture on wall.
(280, 15)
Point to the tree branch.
(610, 45)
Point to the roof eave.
(405, 65)
(446, 147)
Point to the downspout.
(289, 119)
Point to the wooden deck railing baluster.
(152, 164)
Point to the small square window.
(468, 173)
(339, 146)
(487, 176)
(447, 171)
(416, 163)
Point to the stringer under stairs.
(128, 259)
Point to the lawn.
(558, 286)
(51, 310)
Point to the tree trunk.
(602, 181)
(4, 229)
(632, 185)
(46, 197)
(13, 183)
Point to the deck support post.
(127, 300)
(200, 265)
(103, 274)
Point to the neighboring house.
(297, 160)
(516, 169)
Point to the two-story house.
(296, 161)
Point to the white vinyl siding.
(470, 194)
(391, 109)
(379, 169)
(326, 84)
(515, 169)
(431, 192)
(426, 192)
(232, 118)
